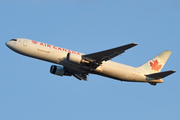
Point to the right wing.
(98, 57)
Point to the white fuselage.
(58, 55)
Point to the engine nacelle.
(58, 70)
(74, 58)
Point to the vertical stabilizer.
(156, 64)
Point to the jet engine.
(59, 70)
(75, 58)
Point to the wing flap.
(80, 75)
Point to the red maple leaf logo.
(155, 65)
(34, 42)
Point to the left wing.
(99, 57)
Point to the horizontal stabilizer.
(160, 74)
(153, 83)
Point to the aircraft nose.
(7, 43)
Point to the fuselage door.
(25, 42)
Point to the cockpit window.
(13, 39)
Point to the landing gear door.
(25, 42)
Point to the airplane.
(79, 65)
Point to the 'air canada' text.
(56, 48)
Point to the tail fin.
(156, 64)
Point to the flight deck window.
(13, 39)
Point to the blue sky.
(29, 92)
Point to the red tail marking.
(155, 65)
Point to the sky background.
(28, 91)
